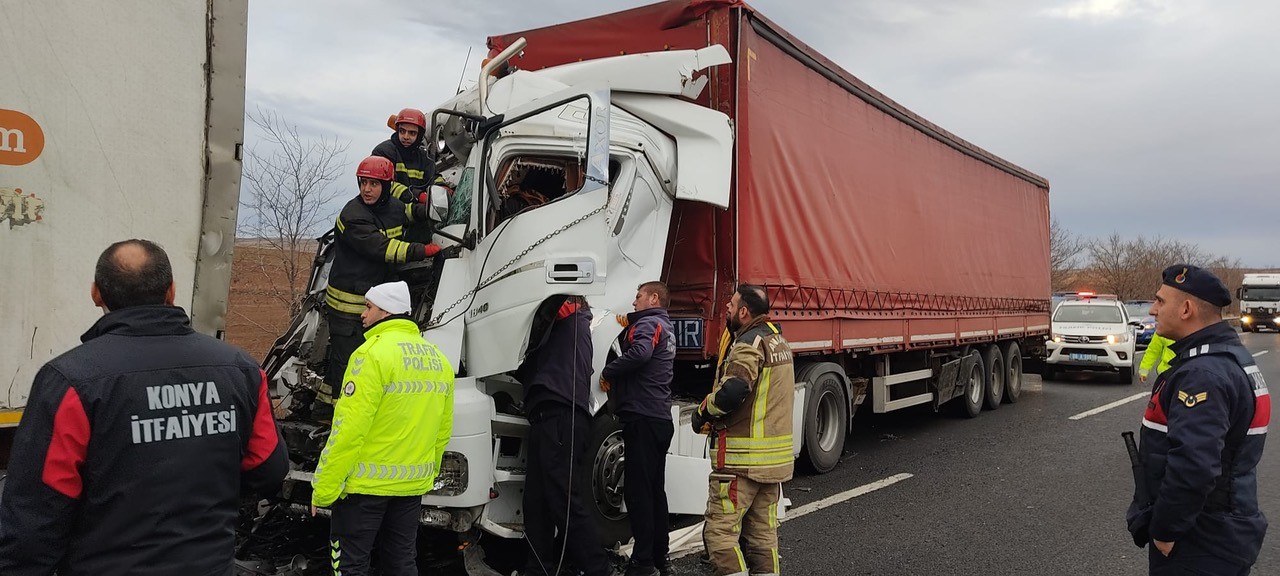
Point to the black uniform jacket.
(1202, 437)
(134, 451)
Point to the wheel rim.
(997, 382)
(975, 384)
(607, 478)
(1013, 380)
(828, 424)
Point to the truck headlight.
(1247, 319)
(1057, 338)
(452, 479)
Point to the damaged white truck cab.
(564, 182)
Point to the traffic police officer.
(1157, 356)
(389, 433)
(747, 417)
(369, 246)
(1202, 438)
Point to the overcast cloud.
(1153, 117)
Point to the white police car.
(1091, 334)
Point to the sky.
(1148, 117)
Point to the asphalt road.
(1020, 490)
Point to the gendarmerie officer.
(1202, 437)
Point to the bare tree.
(1064, 251)
(1131, 269)
(290, 182)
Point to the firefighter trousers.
(360, 520)
(739, 508)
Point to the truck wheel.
(1048, 372)
(994, 374)
(826, 421)
(1126, 375)
(1013, 373)
(970, 405)
(600, 480)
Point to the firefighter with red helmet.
(405, 151)
(370, 246)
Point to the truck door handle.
(571, 271)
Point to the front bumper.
(1090, 355)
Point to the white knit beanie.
(392, 297)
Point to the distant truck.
(698, 143)
(117, 121)
(1259, 297)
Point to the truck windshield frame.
(1260, 294)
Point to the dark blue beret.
(1197, 282)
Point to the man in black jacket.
(639, 381)
(557, 386)
(136, 446)
(369, 247)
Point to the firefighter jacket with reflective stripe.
(393, 418)
(1202, 437)
(369, 248)
(134, 452)
(641, 376)
(754, 440)
(412, 166)
(1158, 355)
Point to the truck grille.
(1084, 339)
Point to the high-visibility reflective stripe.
(773, 523)
(777, 562)
(343, 306)
(757, 458)
(394, 472)
(396, 232)
(725, 504)
(769, 442)
(335, 553)
(1155, 426)
(344, 296)
(419, 174)
(341, 227)
(762, 401)
(417, 387)
(742, 562)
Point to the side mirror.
(1135, 323)
(1240, 293)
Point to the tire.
(1013, 373)
(600, 479)
(993, 374)
(970, 403)
(1049, 372)
(826, 420)
(1126, 375)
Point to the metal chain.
(436, 321)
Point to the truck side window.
(527, 183)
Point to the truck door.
(542, 188)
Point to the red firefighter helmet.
(377, 168)
(412, 116)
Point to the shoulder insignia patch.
(349, 389)
(1192, 400)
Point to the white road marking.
(1260, 353)
(683, 542)
(1115, 404)
(843, 496)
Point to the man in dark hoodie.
(556, 375)
(639, 381)
(369, 246)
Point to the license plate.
(1083, 357)
(690, 333)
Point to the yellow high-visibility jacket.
(393, 419)
(1158, 355)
